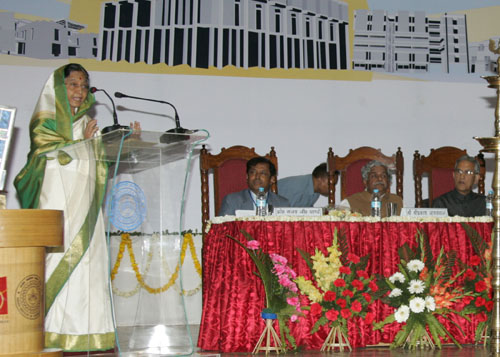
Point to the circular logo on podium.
(127, 210)
(29, 297)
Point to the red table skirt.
(233, 297)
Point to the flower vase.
(424, 341)
(336, 339)
(269, 340)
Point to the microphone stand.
(116, 125)
(169, 136)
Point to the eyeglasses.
(75, 86)
(253, 172)
(466, 172)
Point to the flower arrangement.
(423, 289)
(340, 287)
(277, 278)
(477, 280)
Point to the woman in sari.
(77, 300)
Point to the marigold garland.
(126, 242)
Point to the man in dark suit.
(260, 173)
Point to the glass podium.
(142, 211)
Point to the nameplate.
(298, 211)
(424, 212)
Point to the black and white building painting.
(217, 33)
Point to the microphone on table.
(115, 125)
(166, 138)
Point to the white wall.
(301, 118)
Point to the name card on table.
(424, 212)
(298, 211)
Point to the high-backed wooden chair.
(229, 174)
(349, 168)
(438, 167)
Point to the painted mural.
(443, 40)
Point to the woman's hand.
(90, 129)
(136, 127)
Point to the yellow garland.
(127, 242)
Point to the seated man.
(260, 173)
(462, 201)
(304, 190)
(375, 176)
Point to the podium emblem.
(127, 210)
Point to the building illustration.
(412, 42)
(242, 33)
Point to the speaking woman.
(77, 301)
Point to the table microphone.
(115, 125)
(166, 138)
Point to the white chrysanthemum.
(416, 287)
(402, 314)
(430, 303)
(415, 265)
(399, 277)
(395, 292)
(417, 305)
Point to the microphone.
(115, 125)
(166, 138)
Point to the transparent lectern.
(142, 214)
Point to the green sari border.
(80, 343)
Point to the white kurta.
(81, 311)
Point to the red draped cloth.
(233, 297)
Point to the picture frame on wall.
(7, 117)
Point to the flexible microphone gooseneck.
(115, 125)
(168, 137)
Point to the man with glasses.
(376, 175)
(461, 201)
(260, 173)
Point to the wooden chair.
(349, 168)
(229, 174)
(438, 167)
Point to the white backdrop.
(301, 118)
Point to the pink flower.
(293, 318)
(276, 258)
(279, 269)
(253, 245)
(294, 301)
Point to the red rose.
(373, 286)
(330, 296)
(480, 301)
(353, 258)
(470, 275)
(348, 293)
(316, 309)
(370, 316)
(332, 315)
(467, 300)
(481, 317)
(346, 313)
(367, 297)
(345, 270)
(339, 283)
(480, 286)
(356, 306)
(358, 284)
(362, 274)
(488, 305)
(475, 260)
(342, 303)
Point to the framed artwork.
(7, 115)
